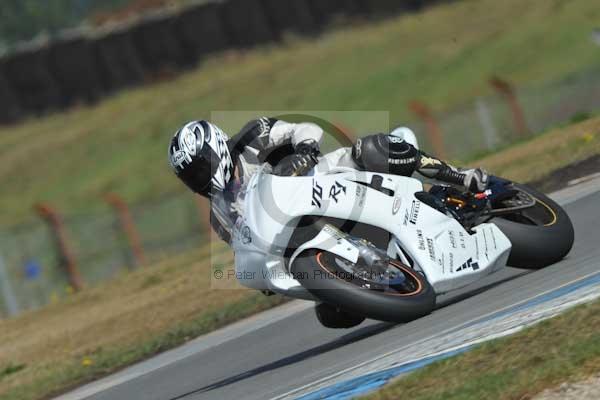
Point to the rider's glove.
(476, 180)
(308, 147)
(301, 162)
(296, 165)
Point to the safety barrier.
(82, 66)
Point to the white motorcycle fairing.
(437, 245)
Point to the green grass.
(11, 369)
(564, 348)
(537, 157)
(443, 55)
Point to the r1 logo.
(336, 190)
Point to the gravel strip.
(584, 390)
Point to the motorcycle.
(374, 245)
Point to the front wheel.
(540, 235)
(333, 317)
(403, 295)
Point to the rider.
(216, 167)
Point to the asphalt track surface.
(272, 354)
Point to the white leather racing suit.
(269, 140)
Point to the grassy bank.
(142, 313)
(535, 158)
(564, 348)
(123, 321)
(443, 55)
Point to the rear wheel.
(392, 292)
(540, 235)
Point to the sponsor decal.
(396, 205)
(429, 161)
(242, 232)
(468, 265)
(452, 238)
(414, 211)
(461, 238)
(485, 240)
(361, 193)
(238, 224)
(333, 232)
(494, 239)
(336, 190)
(317, 194)
(406, 218)
(420, 239)
(396, 139)
(177, 158)
(431, 249)
(451, 261)
(402, 161)
(246, 235)
(358, 148)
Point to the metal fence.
(487, 123)
(84, 65)
(32, 269)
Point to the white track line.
(428, 338)
(213, 339)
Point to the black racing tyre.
(335, 318)
(541, 235)
(315, 269)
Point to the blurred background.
(92, 90)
